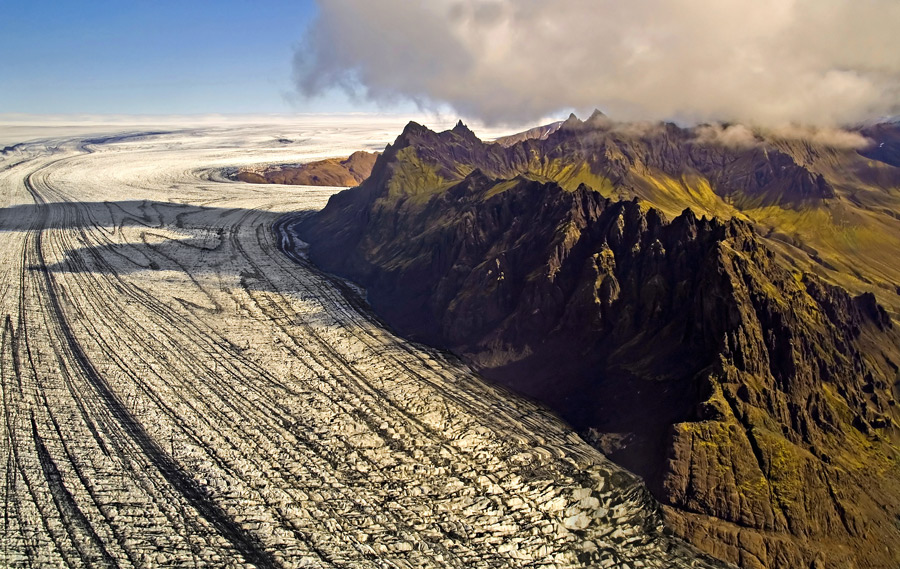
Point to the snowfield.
(178, 393)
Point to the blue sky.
(153, 57)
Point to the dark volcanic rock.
(757, 402)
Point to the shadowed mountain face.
(757, 400)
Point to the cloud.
(730, 136)
(740, 136)
(765, 62)
(822, 136)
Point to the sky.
(156, 57)
(765, 62)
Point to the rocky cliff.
(756, 400)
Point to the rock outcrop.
(757, 401)
(347, 172)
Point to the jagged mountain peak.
(641, 158)
(414, 127)
(572, 120)
(462, 129)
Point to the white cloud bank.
(766, 62)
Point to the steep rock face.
(758, 402)
(539, 133)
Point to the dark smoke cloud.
(767, 62)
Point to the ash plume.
(765, 62)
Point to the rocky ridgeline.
(347, 172)
(756, 401)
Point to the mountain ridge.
(681, 348)
(346, 172)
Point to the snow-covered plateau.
(178, 393)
